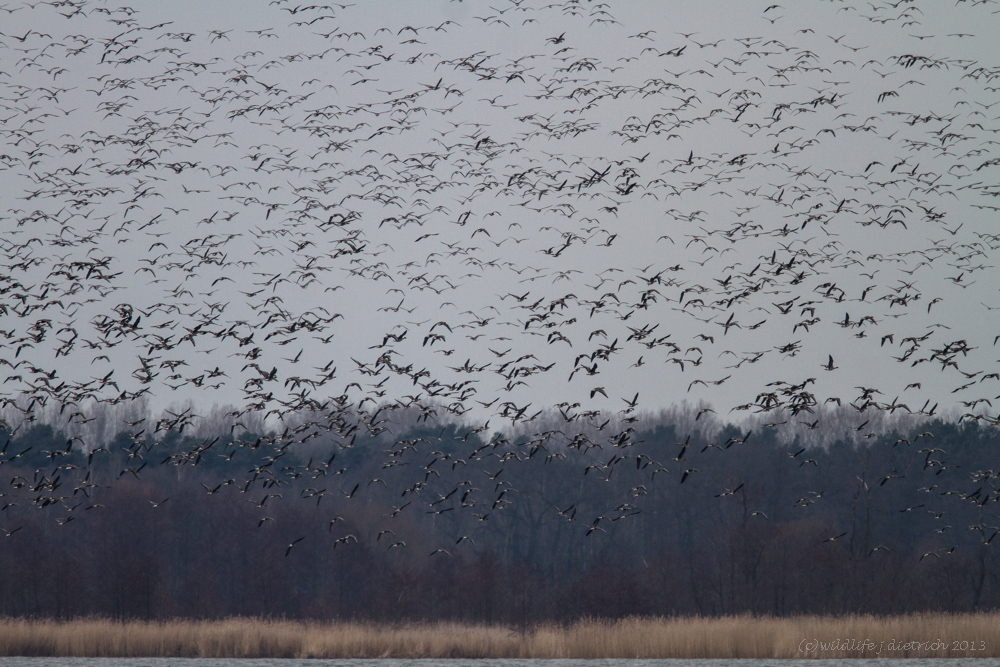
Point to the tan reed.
(908, 636)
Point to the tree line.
(684, 514)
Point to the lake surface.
(225, 662)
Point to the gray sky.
(704, 199)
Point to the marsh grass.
(726, 637)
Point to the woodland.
(687, 515)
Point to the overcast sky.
(704, 199)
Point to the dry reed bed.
(917, 635)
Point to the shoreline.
(858, 636)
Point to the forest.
(677, 513)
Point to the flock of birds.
(324, 214)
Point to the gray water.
(225, 662)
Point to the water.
(227, 662)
